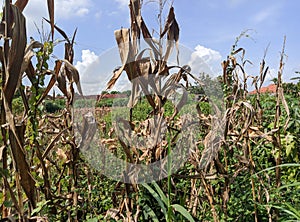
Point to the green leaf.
(289, 143)
(40, 207)
(281, 165)
(163, 197)
(156, 197)
(92, 220)
(289, 185)
(183, 212)
(149, 212)
(294, 210)
(291, 211)
(7, 203)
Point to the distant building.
(111, 96)
(267, 89)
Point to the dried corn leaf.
(124, 44)
(69, 55)
(7, 20)
(116, 74)
(112, 214)
(135, 16)
(135, 94)
(24, 99)
(126, 149)
(30, 73)
(172, 83)
(143, 67)
(158, 130)
(88, 131)
(52, 143)
(57, 68)
(2, 32)
(239, 50)
(59, 30)
(263, 77)
(211, 148)
(169, 22)
(123, 40)
(74, 75)
(69, 51)
(135, 9)
(21, 4)
(248, 122)
(16, 137)
(254, 132)
(73, 38)
(2, 148)
(148, 39)
(48, 88)
(172, 28)
(62, 81)
(51, 15)
(71, 94)
(16, 54)
(138, 25)
(13, 198)
(29, 53)
(285, 105)
(1, 54)
(144, 70)
(183, 101)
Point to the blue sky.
(207, 29)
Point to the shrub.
(54, 106)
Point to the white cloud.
(71, 8)
(87, 58)
(205, 60)
(82, 12)
(96, 70)
(88, 75)
(34, 13)
(64, 9)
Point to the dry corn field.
(178, 146)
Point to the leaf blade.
(183, 212)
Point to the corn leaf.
(51, 15)
(123, 40)
(21, 4)
(29, 54)
(16, 137)
(156, 197)
(74, 75)
(59, 30)
(16, 54)
(183, 212)
(172, 28)
(149, 212)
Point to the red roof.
(112, 96)
(267, 89)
